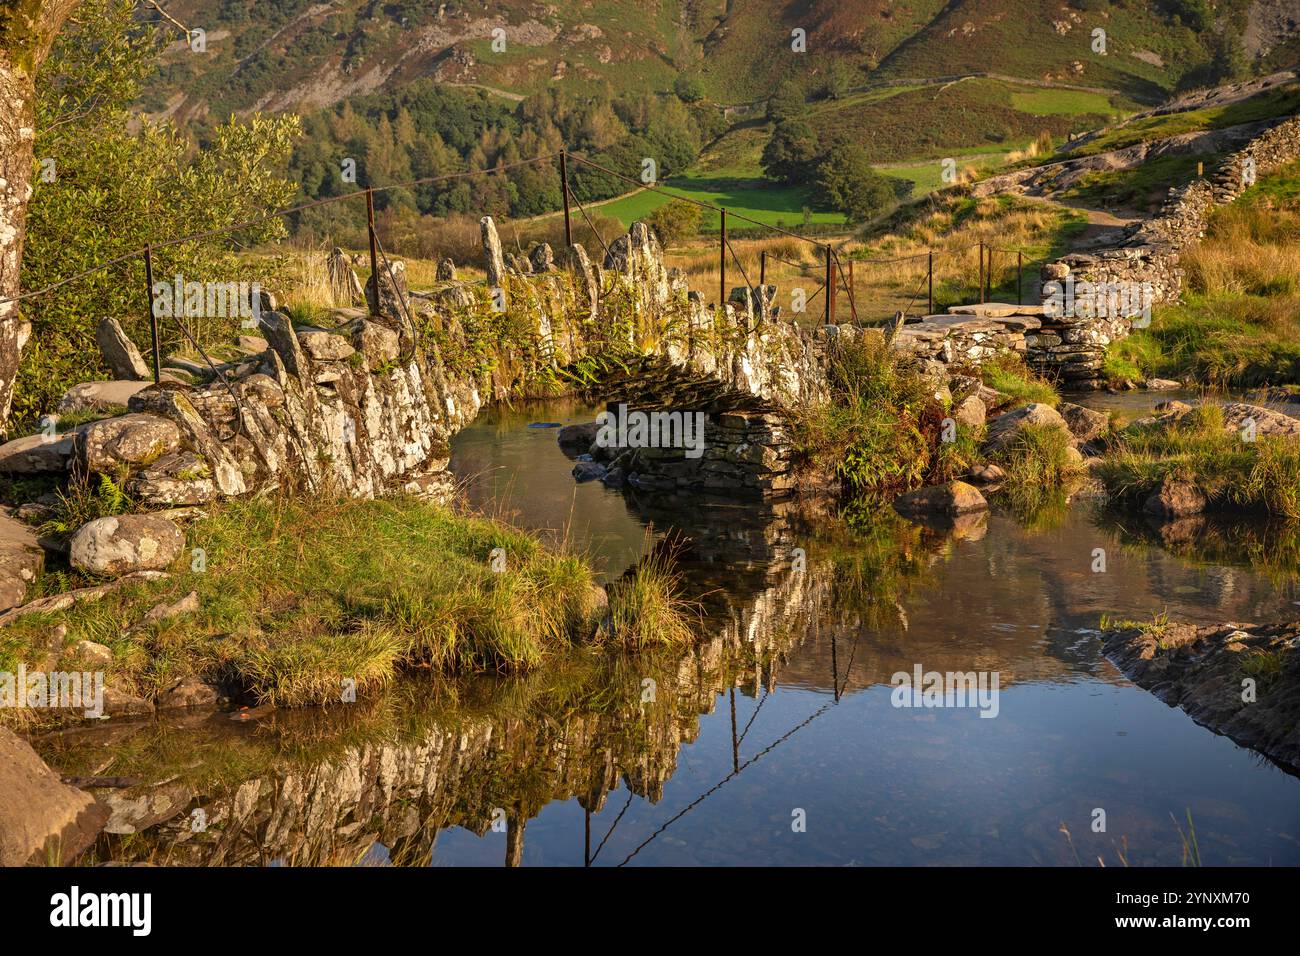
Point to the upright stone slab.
(119, 352)
(493, 262)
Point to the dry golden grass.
(889, 272)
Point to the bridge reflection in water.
(782, 705)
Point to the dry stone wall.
(1146, 260)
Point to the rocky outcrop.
(42, 820)
(1240, 680)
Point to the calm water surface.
(783, 713)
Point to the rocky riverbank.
(1240, 680)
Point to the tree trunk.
(27, 30)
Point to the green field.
(745, 195)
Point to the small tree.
(847, 183)
(675, 221)
(689, 89)
(791, 154)
(786, 102)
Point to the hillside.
(301, 55)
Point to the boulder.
(252, 344)
(21, 560)
(325, 346)
(576, 439)
(190, 692)
(1085, 424)
(178, 478)
(1161, 384)
(446, 271)
(588, 471)
(1236, 416)
(987, 474)
(89, 652)
(952, 499)
(36, 455)
(42, 819)
(281, 337)
(1004, 429)
(136, 810)
(99, 396)
(1175, 498)
(165, 612)
(542, 258)
(969, 411)
(119, 545)
(134, 439)
(376, 342)
(120, 353)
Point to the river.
(776, 740)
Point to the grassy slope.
(1238, 324)
(641, 47)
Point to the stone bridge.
(371, 404)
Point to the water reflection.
(781, 712)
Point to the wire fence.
(814, 281)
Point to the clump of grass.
(1198, 448)
(646, 607)
(1156, 627)
(86, 499)
(298, 596)
(879, 430)
(1262, 666)
(1040, 464)
(1007, 373)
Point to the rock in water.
(117, 546)
(1004, 429)
(120, 352)
(1085, 424)
(1176, 498)
(42, 819)
(954, 498)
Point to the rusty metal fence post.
(830, 287)
(374, 249)
(930, 282)
(762, 269)
(564, 184)
(1020, 270)
(981, 271)
(153, 315)
(722, 265)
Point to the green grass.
(1058, 102)
(745, 195)
(1232, 473)
(881, 432)
(299, 596)
(1270, 104)
(1007, 373)
(1144, 187)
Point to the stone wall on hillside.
(1147, 259)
